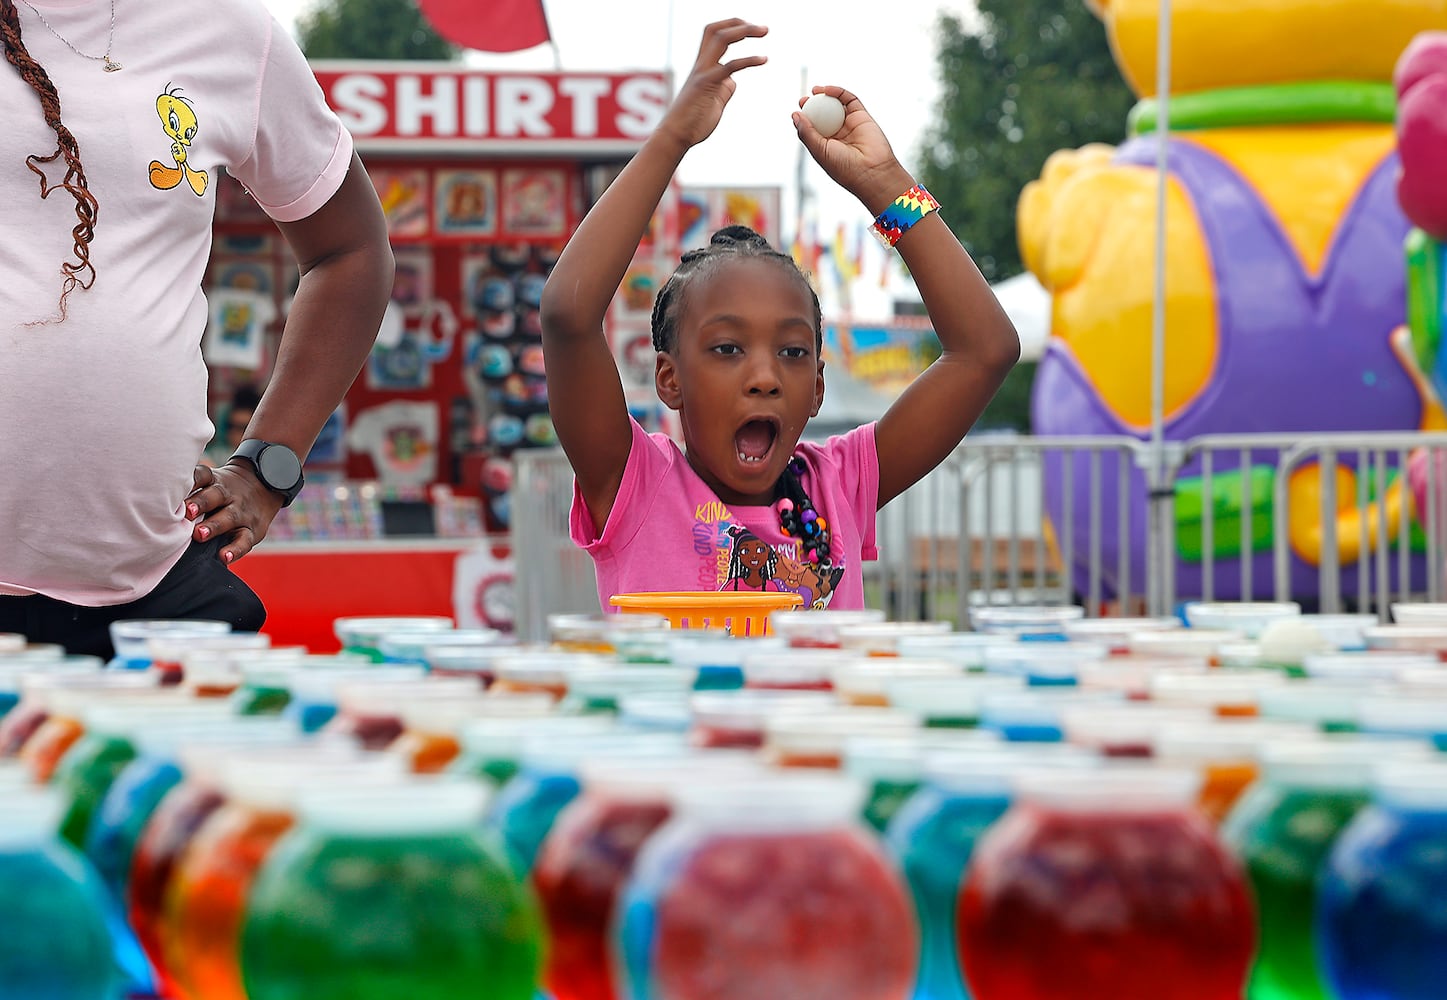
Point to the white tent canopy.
(1027, 303)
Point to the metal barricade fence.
(1054, 520)
(977, 530)
(551, 574)
(1030, 520)
(1381, 509)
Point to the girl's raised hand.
(858, 157)
(695, 113)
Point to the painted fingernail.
(204, 532)
(227, 556)
(192, 510)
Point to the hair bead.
(798, 518)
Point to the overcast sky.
(885, 54)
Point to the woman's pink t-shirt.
(669, 531)
(103, 416)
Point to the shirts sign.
(394, 106)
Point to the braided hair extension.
(79, 272)
(729, 243)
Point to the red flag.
(489, 25)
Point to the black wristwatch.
(276, 466)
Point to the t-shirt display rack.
(456, 384)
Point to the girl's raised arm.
(585, 394)
(931, 417)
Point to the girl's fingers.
(846, 98)
(734, 30)
(734, 65)
(809, 136)
(717, 37)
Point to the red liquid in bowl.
(164, 840)
(1104, 906)
(371, 730)
(578, 874)
(19, 724)
(804, 916)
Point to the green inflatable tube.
(1424, 289)
(1280, 104)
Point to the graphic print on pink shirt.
(752, 565)
(179, 122)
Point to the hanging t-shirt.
(668, 530)
(401, 439)
(103, 416)
(236, 332)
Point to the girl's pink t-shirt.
(669, 531)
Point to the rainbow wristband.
(902, 214)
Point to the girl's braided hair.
(78, 272)
(729, 243)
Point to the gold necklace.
(108, 64)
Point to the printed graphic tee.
(401, 438)
(236, 332)
(669, 531)
(103, 415)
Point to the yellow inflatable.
(1285, 277)
(1239, 43)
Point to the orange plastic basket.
(739, 614)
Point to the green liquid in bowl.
(389, 917)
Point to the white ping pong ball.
(825, 113)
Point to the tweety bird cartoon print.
(178, 121)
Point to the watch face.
(279, 467)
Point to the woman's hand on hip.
(230, 502)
